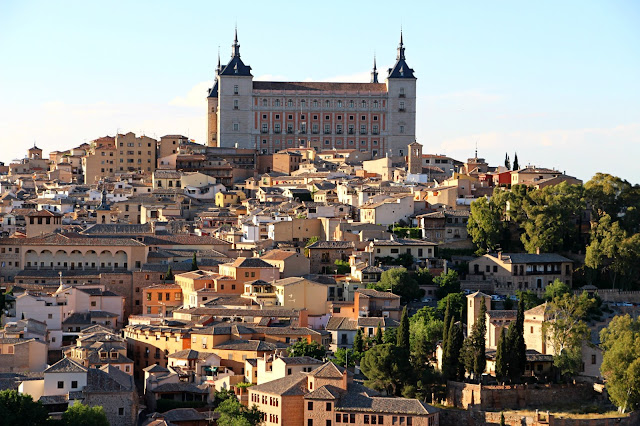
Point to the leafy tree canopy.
(400, 282)
(81, 415)
(17, 408)
(303, 348)
(447, 282)
(621, 361)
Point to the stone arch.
(91, 259)
(120, 259)
(106, 259)
(31, 258)
(76, 259)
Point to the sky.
(556, 82)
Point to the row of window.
(375, 129)
(316, 104)
(326, 117)
(177, 296)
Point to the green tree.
(403, 331)
(516, 165)
(621, 361)
(606, 194)
(194, 262)
(304, 348)
(550, 215)
(447, 283)
(390, 335)
(169, 275)
(310, 241)
(81, 415)
(516, 349)
(381, 366)
(378, 339)
(566, 330)
(17, 408)
(358, 343)
(555, 289)
(425, 330)
(342, 356)
(502, 422)
(400, 282)
(502, 356)
(458, 303)
(531, 300)
(342, 266)
(507, 163)
(233, 413)
(485, 225)
(613, 250)
(424, 276)
(452, 368)
(447, 321)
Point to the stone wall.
(454, 417)
(466, 395)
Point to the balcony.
(363, 133)
(264, 131)
(352, 132)
(290, 131)
(401, 109)
(277, 131)
(339, 132)
(303, 132)
(375, 132)
(327, 132)
(315, 132)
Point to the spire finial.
(374, 73)
(400, 47)
(235, 48)
(476, 149)
(219, 65)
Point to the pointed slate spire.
(374, 73)
(400, 48)
(235, 52)
(219, 66)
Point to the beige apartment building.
(509, 272)
(126, 153)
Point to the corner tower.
(401, 89)
(229, 103)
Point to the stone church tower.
(414, 165)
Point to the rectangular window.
(60, 385)
(235, 89)
(310, 406)
(74, 384)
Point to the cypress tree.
(507, 163)
(516, 166)
(456, 351)
(445, 329)
(479, 342)
(447, 354)
(502, 357)
(358, 343)
(517, 347)
(502, 422)
(194, 262)
(169, 275)
(403, 331)
(378, 335)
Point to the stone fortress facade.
(271, 115)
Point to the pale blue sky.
(558, 82)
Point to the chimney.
(500, 255)
(537, 250)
